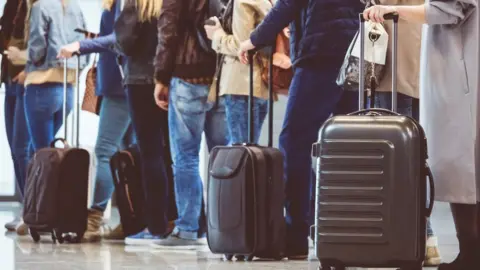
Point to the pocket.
(189, 98)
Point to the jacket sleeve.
(37, 41)
(168, 40)
(98, 44)
(449, 12)
(246, 16)
(127, 29)
(9, 12)
(282, 13)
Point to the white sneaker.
(22, 228)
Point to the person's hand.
(243, 51)
(68, 50)
(211, 29)
(15, 55)
(20, 78)
(161, 96)
(376, 13)
(281, 60)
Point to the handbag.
(281, 77)
(91, 102)
(375, 58)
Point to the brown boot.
(115, 234)
(94, 226)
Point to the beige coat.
(409, 46)
(234, 80)
(448, 97)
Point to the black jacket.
(137, 42)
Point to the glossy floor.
(21, 253)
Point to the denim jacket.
(51, 27)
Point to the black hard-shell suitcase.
(245, 196)
(371, 205)
(56, 189)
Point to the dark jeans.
(44, 111)
(313, 98)
(17, 132)
(150, 125)
(406, 105)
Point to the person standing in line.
(136, 33)
(408, 70)
(184, 72)
(13, 63)
(320, 33)
(49, 24)
(449, 111)
(114, 127)
(232, 77)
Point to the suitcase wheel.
(35, 235)
(240, 257)
(58, 235)
(249, 258)
(228, 257)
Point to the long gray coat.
(448, 97)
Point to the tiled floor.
(20, 253)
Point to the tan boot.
(94, 225)
(22, 228)
(115, 234)
(432, 258)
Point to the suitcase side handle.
(432, 190)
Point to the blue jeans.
(406, 105)
(236, 111)
(44, 111)
(189, 115)
(114, 129)
(150, 125)
(314, 96)
(17, 132)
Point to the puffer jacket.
(321, 30)
(178, 52)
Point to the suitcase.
(246, 195)
(57, 184)
(371, 202)
(125, 166)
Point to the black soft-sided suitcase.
(371, 205)
(56, 189)
(245, 196)
(125, 166)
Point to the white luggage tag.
(376, 44)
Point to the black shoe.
(461, 263)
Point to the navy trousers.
(313, 98)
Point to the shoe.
(144, 238)
(467, 259)
(115, 234)
(12, 225)
(94, 226)
(22, 228)
(175, 241)
(432, 258)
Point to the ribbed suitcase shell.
(371, 192)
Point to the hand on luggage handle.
(389, 16)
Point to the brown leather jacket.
(178, 51)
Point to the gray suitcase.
(371, 192)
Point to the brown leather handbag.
(91, 102)
(281, 77)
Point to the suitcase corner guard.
(316, 150)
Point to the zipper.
(127, 191)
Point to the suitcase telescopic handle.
(76, 105)
(361, 96)
(270, 50)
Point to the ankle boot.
(466, 259)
